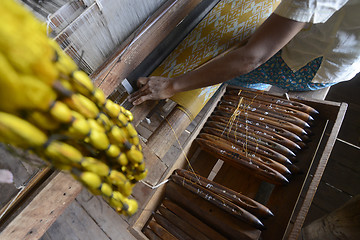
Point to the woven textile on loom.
(227, 24)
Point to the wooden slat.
(239, 181)
(74, 223)
(316, 94)
(176, 149)
(165, 135)
(102, 71)
(155, 166)
(156, 170)
(141, 111)
(109, 221)
(350, 128)
(221, 221)
(201, 162)
(43, 210)
(294, 234)
(345, 155)
(143, 131)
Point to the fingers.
(142, 81)
(143, 89)
(141, 99)
(150, 88)
(138, 94)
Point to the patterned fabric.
(276, 72)
(227, 24)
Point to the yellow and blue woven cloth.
(227, 24)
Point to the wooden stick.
(249, 145)
(246, 153)
(242, 133)
(224, 223)
(233, 196)
(255, 131)
(219, 201)
(272, 128)
(232, 157)
(258, 124)
(171, 228)
(270, 120)
(195, 222)
(165, 135)
(247, 107)
(271, 107)
(260, 95)
(160, 231)
(186, 227)
(150, 234)
(274, 120)
(294, 146)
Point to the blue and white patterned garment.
(277, 73)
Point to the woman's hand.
(152, 88)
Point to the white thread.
(287, 96)
(141, 31)
(21, 188)
(48, 22)
(156, 186)
(99, 5)
(350, 144)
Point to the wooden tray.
(289, 203)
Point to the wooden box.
(289, 203)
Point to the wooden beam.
(33, 221)
(169, 130)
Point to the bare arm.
(268, 39)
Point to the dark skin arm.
(267, 40)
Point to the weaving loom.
(224, 25)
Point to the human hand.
(152, 88)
